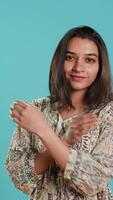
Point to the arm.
(43, 161)
(75, 132)
(20, 162)
(86, 173)
(31, 119)
(89, 173)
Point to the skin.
(81, 68)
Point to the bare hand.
(80, 126)
(28, 117)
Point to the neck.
(78, 99)
(78, 105)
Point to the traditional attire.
(90, 164)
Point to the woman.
(63, 145)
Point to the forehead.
(80, 45)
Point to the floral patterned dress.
(88, 170)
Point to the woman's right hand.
(80, 126)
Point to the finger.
(85, 126)
(16, 120)
(80, 130)
(18, 108)
(16, 114)
(87, 116)
(89, 122)
(76, 134)
(85, 121)
(12, 105)
(10, 116)
(85, 129)
(77, 125)
(21, 104)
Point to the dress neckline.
(74, 115)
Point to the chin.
(79, 88)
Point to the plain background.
(29, 33)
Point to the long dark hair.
(100, 90)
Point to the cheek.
(67, 67)
(93, 73)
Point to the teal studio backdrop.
(29, 33)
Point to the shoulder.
(42, 102)
(106, 116)
(107, 109)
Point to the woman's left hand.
(28, 117)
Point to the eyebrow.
(88, 54)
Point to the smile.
(77, 78)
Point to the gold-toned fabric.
(88, 170)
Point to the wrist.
(44, 132)
(65, 142)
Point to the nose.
(78, 65)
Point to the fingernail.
(10, 117)
(10, 112)
(11, 108)
(12, 105)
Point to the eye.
(69, 57)
(90, 60)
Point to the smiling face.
(81, 63)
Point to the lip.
(77, 77)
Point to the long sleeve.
(89, 173)
(20, 162)
(21, 157)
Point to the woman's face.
(81, 63)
